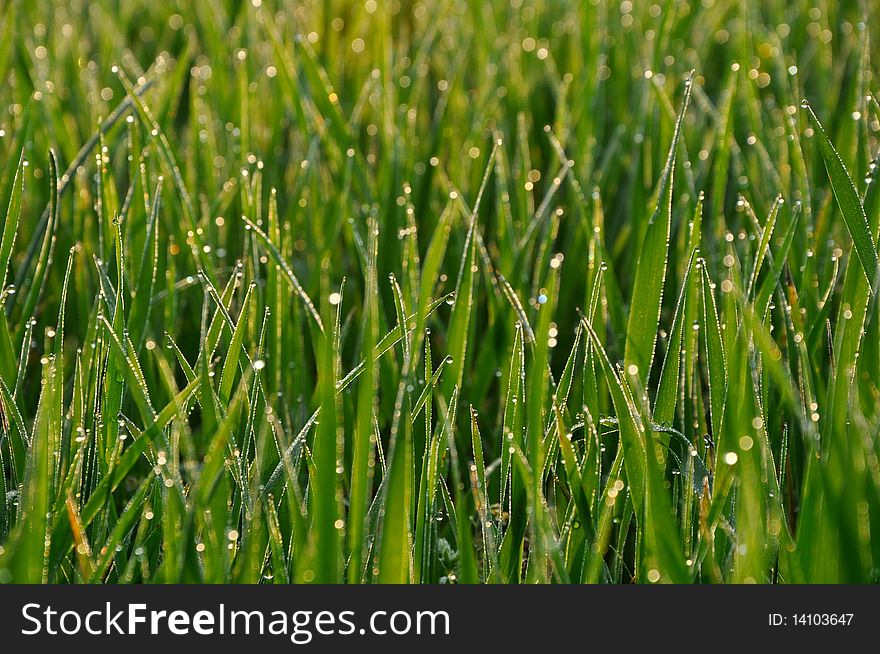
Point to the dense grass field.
(439, 291)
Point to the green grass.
(439, 292)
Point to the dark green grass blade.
(848, 200)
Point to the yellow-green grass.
(480, 292)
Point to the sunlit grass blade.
(848, 200)
(651, 268)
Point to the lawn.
(439, 292)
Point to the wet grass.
(439, 292)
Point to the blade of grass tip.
(188, 370)
(400, 310)
(221, 316)
(513, 299)
(566, 379)
(590, 383)
(462, 308)
(695, 229)
(848, 200)
(146, 279)
(430, 386)
(236, 344)
(543, 210)
(762, 299)
(107, 292)
(432, 262)
(764, 246)
(644, 317)
(288, 272)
